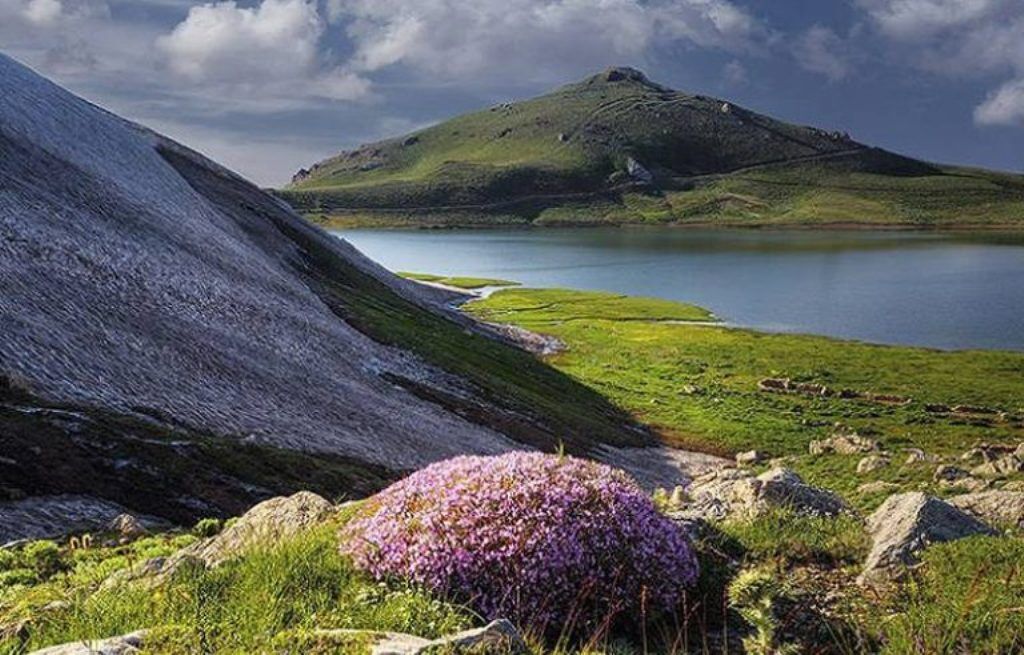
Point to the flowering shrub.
(548, 541)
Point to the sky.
(269, 86)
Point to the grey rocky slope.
(141, 281)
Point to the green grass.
(698, 383)
(243, 606)
(459, 282)
(967, 597)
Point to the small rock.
(750, 457)
(843, 443)
(1013, 485)
(945, 473)
(497, 637)
(1000, 467)
(966, 484)
(997, 508)
(130, 644)
(878, 486)
(127, 526)
(917, 456)
(638, 172)
(872, 463)
(907, 523)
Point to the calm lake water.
(937, 290)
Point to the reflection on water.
(930, 289)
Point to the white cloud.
(271, 49)
(970, 38)
(1004, 106)
(820, 50)
(42, 12)
(735, 73)
(455, 39)
(924, 18)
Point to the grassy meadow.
(698, 383)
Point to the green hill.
(619, 148)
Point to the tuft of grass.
(966, 597)
(784, 536)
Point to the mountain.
(179, 343)
(620, 148)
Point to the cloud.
(735, 73)
(969, 38)
(271, 49)
(820, 50)
(455, 39)
(1004, 106)
(42, 12)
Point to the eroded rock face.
(996, 508)
(130, 644)
(735, 493)
(55, 516)
(907, 523)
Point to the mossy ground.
(699, 383)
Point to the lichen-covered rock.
(129, 644)
(127, 526)
(1005, 465)
(843, 443)
(872, 463)
(907, 523)
(735, 493)
(878, 486)
(997, 508)
(946, 473)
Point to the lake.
(927, 289)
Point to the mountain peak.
(615, 74)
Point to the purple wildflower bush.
(551, 542)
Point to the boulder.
(907, 523)
(997, 508)
(843, 443)
(129, 644)
(751, 457)
(986, 452)
(735, 493)
(638, 172)
(498, 637)
(872, 463)
(127, 526)
(266, 523)
(967, 484)
(1013, 485)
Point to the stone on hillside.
(129, 644)
(1005, 465)
(997, 508)
(917, 456)
(638, 172)
(751, 457)
(127, 526)
(878, 486)
(872, 463)
(497, 637)
(843, 443)
(1013, 485)
(945, 473)
(266, 523)
(907, 523)
(969, 484)
(986, 452)
(735, 493)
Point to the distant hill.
(180, 343)
(620, 148)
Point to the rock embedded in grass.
(997, 507)
(735, 493)
(907, 523)
(873, 463)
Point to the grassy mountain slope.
(617, 147)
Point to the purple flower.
(548, 541)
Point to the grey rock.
(41, 517)
(129, 644)
(946, 473)
(637, 171)
(750, 457)
(998, 508)
(878, 486)
(907, 523)
(735, 493)
(127, 526)
(843, 443)
(498, 637)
